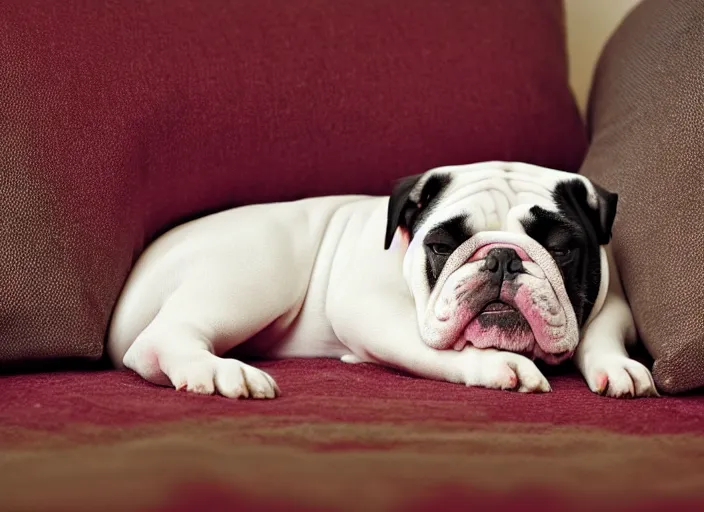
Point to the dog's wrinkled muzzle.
(501, 290)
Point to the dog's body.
(465, 290)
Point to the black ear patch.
(608, 203)
(571, 199)
(406, 203)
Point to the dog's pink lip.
(497, 307)
(483, 250)
(505, 305)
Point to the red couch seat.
(343, 437)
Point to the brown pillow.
(119, 121)
(646, 120)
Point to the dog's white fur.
(311, 278)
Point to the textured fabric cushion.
(121, 119)
(343, 438)
(647, 129)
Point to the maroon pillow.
(121, 119)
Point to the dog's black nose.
(504, 263)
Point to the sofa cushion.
(343, 438)
(123, 119)
(647, 125)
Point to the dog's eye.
(441, 249)
(561, 253)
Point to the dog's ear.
(573, 198)
(401, 208)
(608, 201)
(406, 203)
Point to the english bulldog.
(465, 274)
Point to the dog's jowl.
(465, 274)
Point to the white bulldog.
(465, 274)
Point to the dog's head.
(503, 255)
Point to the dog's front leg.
(381, 327)
(601, 355)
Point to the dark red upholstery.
(120, 119)
(343, 438)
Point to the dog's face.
(503, 255)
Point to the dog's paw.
(618, 376)
(508, 371)
(201, 372)
(228, 377)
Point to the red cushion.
(344, 438)
(122, 119)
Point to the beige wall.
(589, 24)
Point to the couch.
(123, 119)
